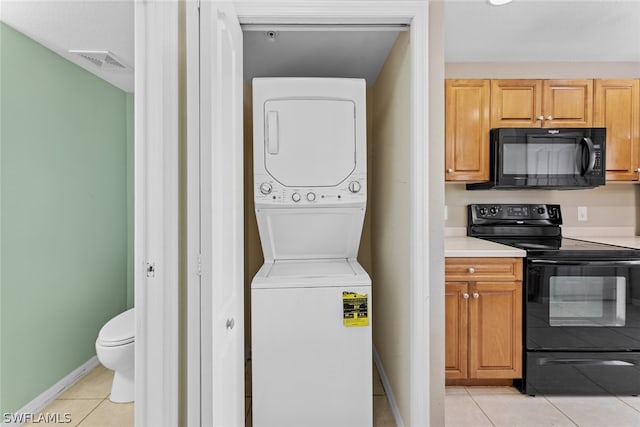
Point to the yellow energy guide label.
(355, 310)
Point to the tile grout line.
(628, 404)
(480, 407)
(92, 411)
(561, 411)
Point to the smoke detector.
(103, 59)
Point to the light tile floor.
(87, 402)
(506, 407)
(89, 406)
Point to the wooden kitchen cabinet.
(483, 318)
(541, 103)
(467, 130)
(617, 107)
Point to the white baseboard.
(387, 389)
(49, 395)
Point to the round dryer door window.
(310, 142)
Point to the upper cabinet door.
(516, 103)
(617, 107)
(467, 130)
(567, 103)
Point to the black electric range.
(581, 308)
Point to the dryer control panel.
(268, 191)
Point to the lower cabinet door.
(456, 299)
(495, 332)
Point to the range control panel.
(271, 192)
(514, 213)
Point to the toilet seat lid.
(119, 330)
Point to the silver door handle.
(476, 295)
(231, 323)
(465, 295)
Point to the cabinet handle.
(549, 118)
(449, 170)
(476, 295)
(540, 117)
(471, 270)
(465, 295)
(638, 170)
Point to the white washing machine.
(311, 300)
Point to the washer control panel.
(269, 191)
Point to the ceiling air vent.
(102, 59)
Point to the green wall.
(130, 201)
(65, 215)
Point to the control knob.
(354, 186)
(311, 196)
(265, 188)
(295, 197)
(493, 210)
(541, 210)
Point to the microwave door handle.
(592, 155)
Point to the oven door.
(583, 305)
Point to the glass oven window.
(587, 301)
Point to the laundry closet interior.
(381, 55)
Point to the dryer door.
(310, 142)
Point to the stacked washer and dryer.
(311, 300)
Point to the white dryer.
(311, 300)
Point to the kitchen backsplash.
(612, 205)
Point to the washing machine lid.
(331, 273)
(119, 330)
(310, 233)
(310, 142)
(311, 269)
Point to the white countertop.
(467, 247)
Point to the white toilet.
(115, 350)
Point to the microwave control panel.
(597, 165)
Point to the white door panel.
(221, 144)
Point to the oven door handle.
(585, 362)
(611, 263)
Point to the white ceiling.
(523, 31)
(349, 54)
(543, 31)
(61, 25)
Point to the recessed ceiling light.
(499, 2)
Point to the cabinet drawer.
(482, 269)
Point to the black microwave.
(539, 158)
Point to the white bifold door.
(221, 288)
